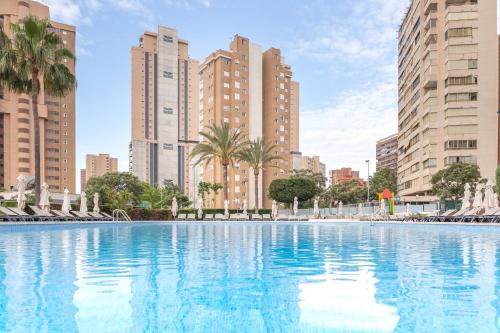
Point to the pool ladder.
(120, 212)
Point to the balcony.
(430, 6)
(430, 78)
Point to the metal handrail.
(118, 212)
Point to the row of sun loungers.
(240, 217)
(18, 215)
(473, 215)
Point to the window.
(460, 144)
(168, 146)
(226, 97)
(461, 80)
(236, 73)
(168, 39)
(226, 120)
(226, 74)
(458, 32)
(430, 163)
(226, 108)
(472, 63)
(461, 97)
(460, 159)
(226, 61)
(168, 75)
(226, 85)
(237, 84)
(168, 110)
(237, 97)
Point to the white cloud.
(188, 4)
(66, 11)
(344, 134)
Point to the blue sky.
(343, 52)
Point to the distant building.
(96, 166)
(165, 118)
(387, 153)
(309, 163)
(83, 179)
(343, 175)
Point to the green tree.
(383, 179)
(349, 192)
(33, 56)
(449, 183)
(114, 188)
(318, 178)
(161, 197)
(205, 188)
(220, 143)
(257, 154)
(285, 190)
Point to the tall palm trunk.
(36, 126)
(224, 168)
(256, 189)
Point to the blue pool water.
(249, 278)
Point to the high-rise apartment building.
(387, 153)
(98, 165)
(164, 110)
(308, 163)
(57, 116)
(343, 175)
(251, 91)
(448, 96)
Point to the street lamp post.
(368, 182)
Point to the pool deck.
(318, 221)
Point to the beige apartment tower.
(448, 95)
(251, 91)
(57, 117)
(96, 166)
(387, 153)
(164, 110)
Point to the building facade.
(57, 116)
(343, 175)
(164, 110)
(387, 153)
(251, 91)
(448, 66)
(308, 163)
(96, 166)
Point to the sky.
(343, 53)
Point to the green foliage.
(318, 178)
(284, 190)
(349, 192)
(161, 197)
(498, 179)
(449, 183)
(118, 190)
(383, 179)
(220, 143)
(33, 56)
(205, 188)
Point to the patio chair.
(181, 217)
(25, 216)
(106, 215)
(266, 217)
(98, 216)
(257, 217)
(220, 217)
(488, 216)
(282, 217)
(62, 215)
(82, 216)
(191, 217)
(42, 215)
(302, 218)
(9, 216)
(468, 216)
(209, 217)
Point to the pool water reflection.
(249, 278)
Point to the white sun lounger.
(266, 217)
(191, 217)
(10, 215)
(209, 217)
(181, 217)
(220, 217)
(256, 217)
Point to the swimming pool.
(246, 277)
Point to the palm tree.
(31, 60)
(220, 143)
(257, 154)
